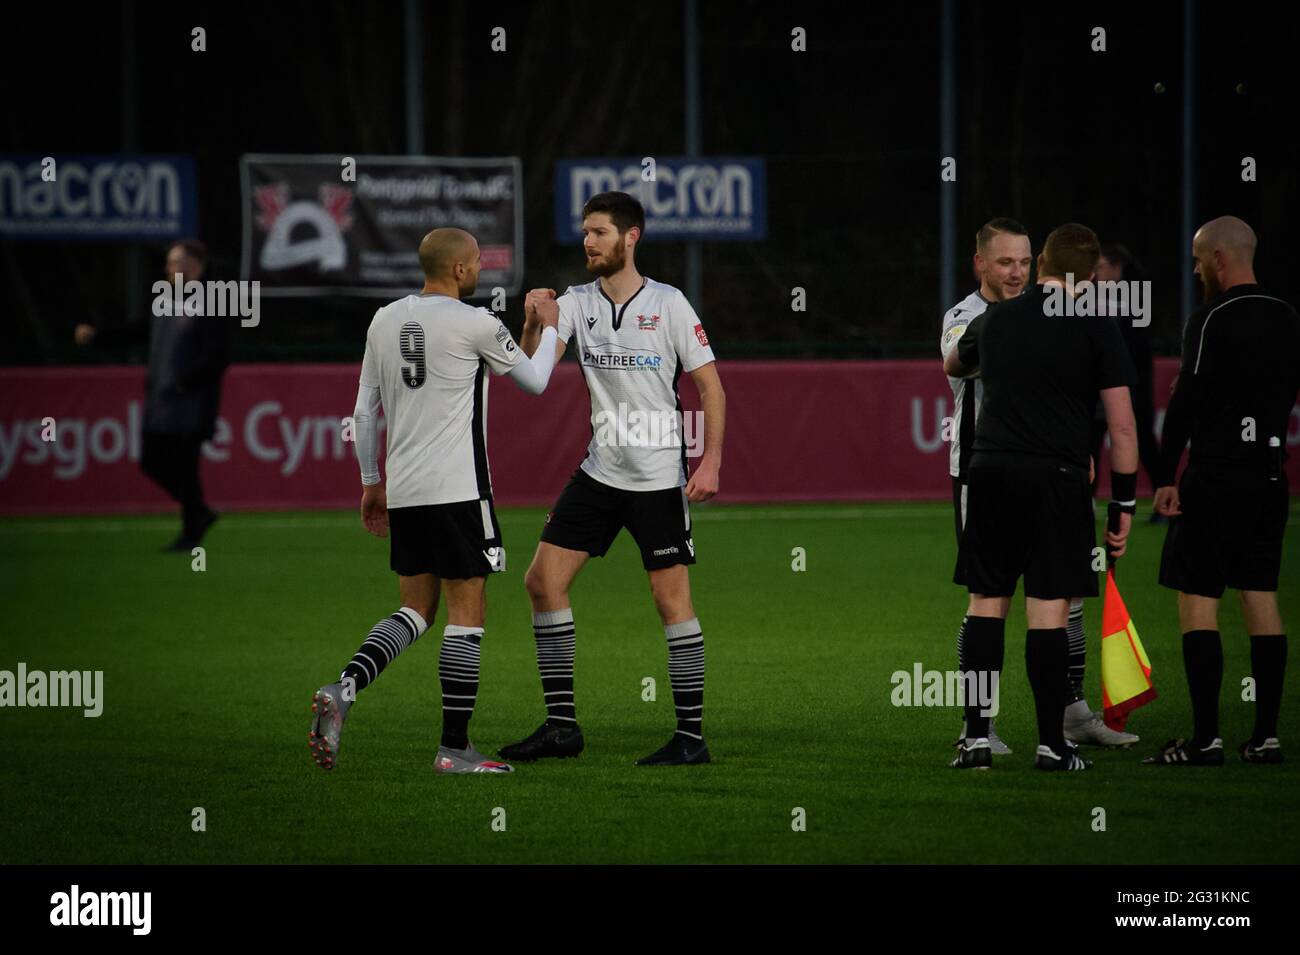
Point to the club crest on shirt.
(647, 323)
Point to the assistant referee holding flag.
(1233, 400)
(1029, 507)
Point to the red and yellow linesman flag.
(1125, 670)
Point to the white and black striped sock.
(961, 645)
(961, 661)
(554, 632)
(386, 640)
(458, 668)
(1078, 648)
(686, 673)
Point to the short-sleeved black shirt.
(1041, 377)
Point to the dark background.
(1048, 131)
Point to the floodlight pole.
(414, 86)
(135, 265)
(694, 250)
(1189, 163)
(947, 147)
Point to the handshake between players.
(425, 364)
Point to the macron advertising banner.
(709, 197)
(107, 198)
(796, 431)
(352, 225)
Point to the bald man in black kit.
(1233, 399)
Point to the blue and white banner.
(709, 197)
(104, 198)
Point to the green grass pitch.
(208, 679)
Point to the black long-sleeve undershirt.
(1177, 431)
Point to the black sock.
(1078, 651)
(389, 637)
(1203, 661)
(982, 648)
(1047, 659)
(1267, 666)
(458, 670)
(686, 674)
(554, 635)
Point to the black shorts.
(959, 518)
(1228, 535)
(589, 515)
(1031, 518)
(450, 541)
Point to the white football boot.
(1084, 727)
(467, 760)
(331, 711)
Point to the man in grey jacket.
(188, 355)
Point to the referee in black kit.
(1235, 391)
(1029, 507)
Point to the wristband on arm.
(1123, 491)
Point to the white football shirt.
(632, 355)
(966, 392)
(428, 355)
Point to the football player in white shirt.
(1002, 263)
(1003, 259)
(633, 337)
(426, 363)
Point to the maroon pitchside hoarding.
(796, 431)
